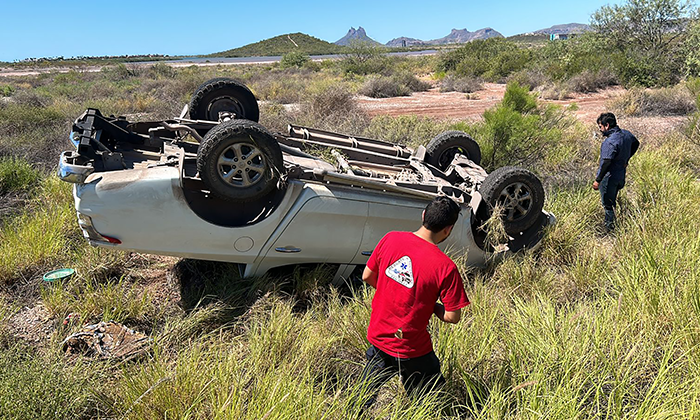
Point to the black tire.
(519, 192)
(223, 94)
(239, 160)
(443, 148)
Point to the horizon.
(174, 29)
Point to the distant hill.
(568, 28)
(356, 35)
(281, 45)
(460, 36)
(405, 42)
(456, 36)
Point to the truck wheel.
(239, 160)
(223, 94)
(443, 148)
(519, 192)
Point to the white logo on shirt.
(401, 271)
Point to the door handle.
(287, 249)
(367, 253)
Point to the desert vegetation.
(587, 326)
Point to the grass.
(17, 175)
(588, 326)
(676, 100)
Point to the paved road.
(193, 61)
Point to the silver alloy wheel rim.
(241, 165)
(516, 200)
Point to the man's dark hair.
(607, 118)
(440, 213)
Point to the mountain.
(456, 36)
(568, 28)
(405, 42)
(355, 35)
(460, 36)
(281, 45)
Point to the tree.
(692, 50)
(294, 59)
(644, 38)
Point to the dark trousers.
(418, 375)
(609, 187)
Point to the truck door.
(325, 229)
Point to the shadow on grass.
(203, 283)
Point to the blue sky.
(72, 28)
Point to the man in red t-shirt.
(410, 273)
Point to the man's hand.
(596, 184)
(369, 277)
(451, 317)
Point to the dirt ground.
(460, 106)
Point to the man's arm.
(635, 146)
(369, 277)
(604, 165)
(451, 317)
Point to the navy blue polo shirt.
(618, 147)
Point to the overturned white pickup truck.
(213, 184)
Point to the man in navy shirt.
(615, 152)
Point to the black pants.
(418, 375)
(608, 196)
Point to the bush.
(409, 80)
(122, 72)
(410, 130)
(533, 78)
(6, 90)
(452, 83)
(383, 87)
(364, 58)
(516, 131)
(591, 81)
(676, 100)
(331, 107)
(559, 61)
(493, 59)
(294, 59)
(17, 175)
(556, 91)
(161, 71)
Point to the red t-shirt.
(412, 274)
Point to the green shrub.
(515, 131)
(17, 175)
(294, 59)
